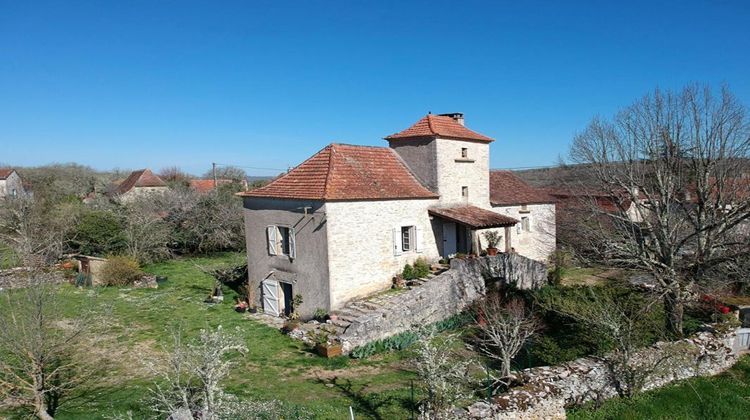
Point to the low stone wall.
(442, 296)
(19, 277)
(544, 392)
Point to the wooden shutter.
(417, 239)
(271, 235)
(292, 244)
(396, 242)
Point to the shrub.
(320, 315)
(120, 271)
(99, 233)
(408, 273)
(420, 269)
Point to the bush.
(420, 269)
(120, 271)
(98, 233)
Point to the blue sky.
(134, 84)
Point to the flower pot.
(491, 251)
(329, 350)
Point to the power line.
(251, 167)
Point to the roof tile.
(506, 189)
(346, 172)
(439, 126)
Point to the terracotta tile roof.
(439, 126)
(346, 172)
(206, 185)
(506, 189)
(140, 178)
(473, 217)
(5, 172)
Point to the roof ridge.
(327, 184)
(429, 124)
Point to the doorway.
(450, 239)
(286, 297)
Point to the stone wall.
(544, 392)
(442, 296)
(539, 242)
(454, 172)
(361, 258)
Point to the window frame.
(407, 238)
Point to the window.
(524, 208)
(406, 238)
(14, 193)
(464, 153)
(525, 224)
(281, 241)
(465, 192)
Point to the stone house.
(535, 234)
(10, 183)
(341, 224)
(139, 183)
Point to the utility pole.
(213, 170)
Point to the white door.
(450, 244)
(271, 297)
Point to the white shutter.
(271, 235)
(292, 244)
(417, 239)
(396, 242)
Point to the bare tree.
(675, 166)
(444, 376)
(227, 172)
(619, 316)
(504, 328)
(190, 383)
(35, 234)
(146, 233)
(44, 361)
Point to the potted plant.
(493, 238)
(324, 344)
(241, 306)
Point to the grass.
(276, 367)
(725, 396)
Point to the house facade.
(10, 183)
(140, 183)
(340, 225)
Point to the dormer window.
(464, 153)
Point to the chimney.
(458, 116)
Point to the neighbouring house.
(208, 185)
(139, 183)
(11, 184)
(341, 224)
(534, 209)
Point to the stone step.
(351, 312)
(340, 322)
(368, 306)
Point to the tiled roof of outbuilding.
(5, 172)
(506, 189)
(140, 178)
(472, 216)
(343, 172)
(439, 126)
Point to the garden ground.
(277, 367)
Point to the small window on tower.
(465, 192)
(464, 152)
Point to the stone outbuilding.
(11, 184)
(341, 224)
(139, 183)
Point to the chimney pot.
(458, 116)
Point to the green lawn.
(276, 367)
(725, 396)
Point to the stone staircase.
(342, 318)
